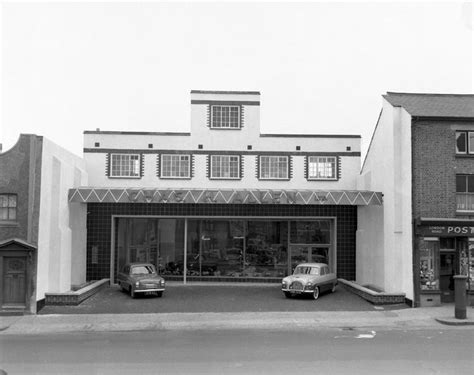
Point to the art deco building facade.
(223, 201)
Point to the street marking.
(366, 335)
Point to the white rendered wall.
(224, 140)
(384, 236)
(62, 231)
(384, 255)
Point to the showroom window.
(429, 264)
(274, 168)
(175, 166)
(465, 192)
(225, 117)
(225, 167)
(8, 207)
(322, 167)
(125, 165)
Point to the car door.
(123, 276)
(325, 278)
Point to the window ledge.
(124, 177)
(225, 179)
(175, 178)
(465, 156)
(9, 223)
(274, 179)
(430, 291)
(225, 128)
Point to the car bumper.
(297, 291)
(149, 290)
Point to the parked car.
(140, 278)
(309, 278)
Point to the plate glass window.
(125, 165)
(322, 167)
(8, 204)
(465, 192)
(225, 116)
(175, 166)
(225, 166)
(273, 167)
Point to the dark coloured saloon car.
(311, 279)
(141, 278)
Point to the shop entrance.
(448, 260)
(453, 256)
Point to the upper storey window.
(225, 167)
(322, 168)
(125, 165)
(465, 192)
(465, 142)
(8, 206)
(175, 166)
(274, 168)
(225, 117)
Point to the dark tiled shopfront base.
(100, 215)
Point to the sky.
(321, 67)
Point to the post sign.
(447, 230)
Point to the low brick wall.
(377, 298)
(75, 297)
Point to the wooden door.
(14, 280)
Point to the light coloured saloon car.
(311, 279)
(140, 278)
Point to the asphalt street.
(322, 351)
(214, 298)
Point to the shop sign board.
(447, 230)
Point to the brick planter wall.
(76, 297)
(377, 298)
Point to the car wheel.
(122, 287)
(159, 294)
(287, 294)
(316, 293)
(132, 292)
(333, 288)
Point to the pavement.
(221, 314)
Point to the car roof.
(139, 264)
(312, 265)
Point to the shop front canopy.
(225, 196)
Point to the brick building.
(37, 233)
(223, 201)
(422, 158)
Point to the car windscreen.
(304, 270)
(142, 270)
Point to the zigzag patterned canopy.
(225, 196)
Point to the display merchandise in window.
(429, 265)
(471, 264)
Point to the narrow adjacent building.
(42, 237)
(222, 202)
(421, 157)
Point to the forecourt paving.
(396, 319)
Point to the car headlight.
(162, 282)
(137, 284)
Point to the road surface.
(324, 351)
